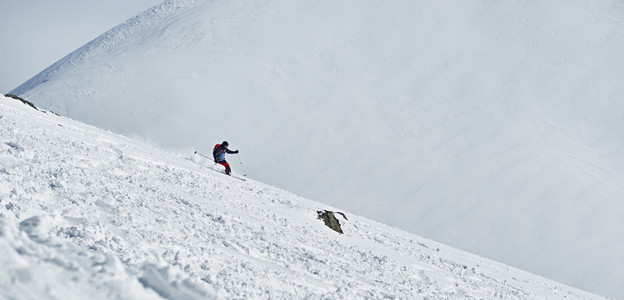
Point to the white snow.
(36, 33)
(491, 126)
(85, 213)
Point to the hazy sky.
(37, 33)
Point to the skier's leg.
(227, 167)
(228, 170)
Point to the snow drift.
(493, 127)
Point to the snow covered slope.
(492, 126)
(85, 213)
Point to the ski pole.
(241, 163)
(203, 155)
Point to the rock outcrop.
(330, 219)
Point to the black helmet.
(225, 143)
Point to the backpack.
(215, 154)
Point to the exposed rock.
(330, 219)
(23, 100)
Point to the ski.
(239, 178)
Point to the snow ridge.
(106, 41)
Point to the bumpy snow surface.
(87, 214)
(492, 126)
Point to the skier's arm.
(230, 151)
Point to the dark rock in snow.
(330, 219)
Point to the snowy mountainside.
(106, 41)
(494, 127)
(87, 213)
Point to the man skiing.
(219, 152)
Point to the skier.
(219, 152)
